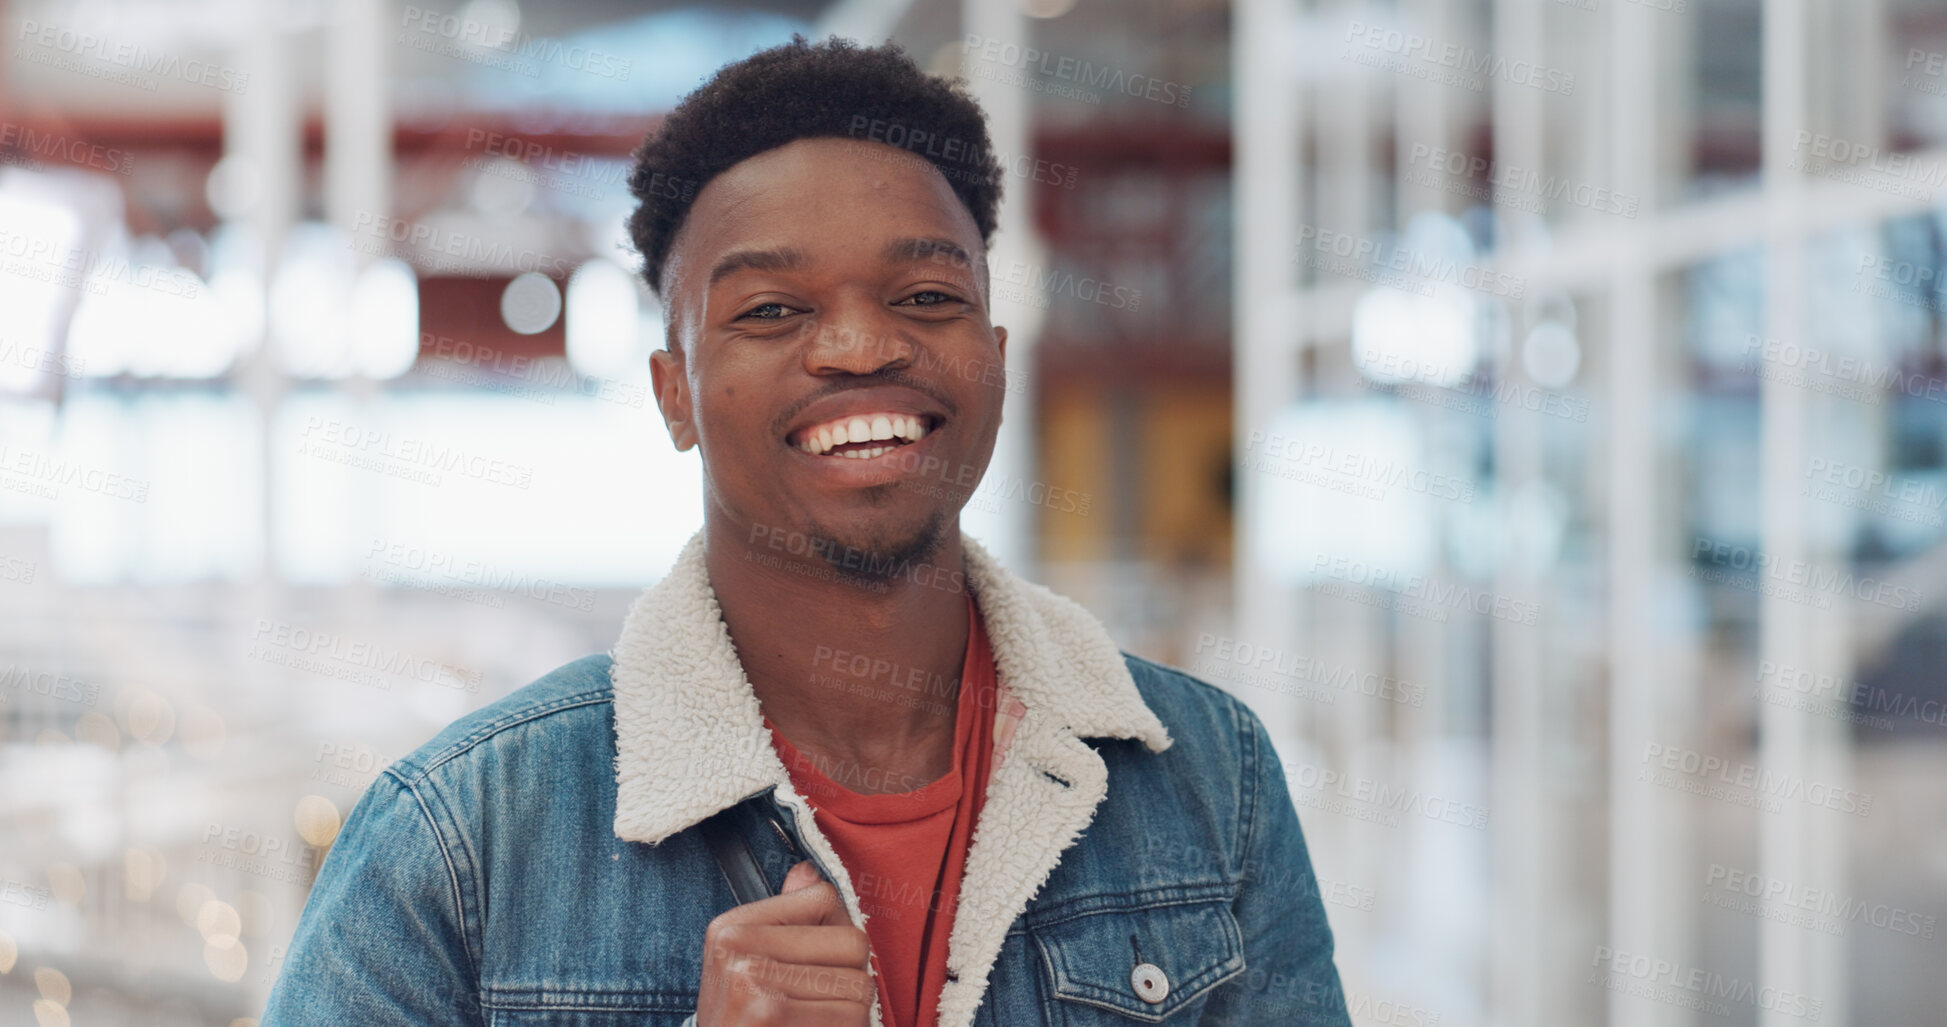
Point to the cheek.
(991, 404)
(730, 391)
(726, 411)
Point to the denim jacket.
(537, 862)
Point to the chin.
(882, 549)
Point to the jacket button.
(1151, 983)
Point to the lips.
(863, 435)
(853, 431)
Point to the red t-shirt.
(905, 850)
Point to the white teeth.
(873, 428)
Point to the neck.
(859, 672)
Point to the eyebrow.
(787, 258)
(783, 258)
(901, 251)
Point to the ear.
(673, 396)
(1007, 384)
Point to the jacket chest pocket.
(1138, 963)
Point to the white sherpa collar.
(690, 737)
(690, 740)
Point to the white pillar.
(1009, 535)
(1785, 951)
(1268, 181)
(262, 131)
(358, 183)
(1345, 134)
(1347, 634)
(1641, 888)
(1521, 845)
(357, 113)
(262, 134)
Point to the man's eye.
(930, 298)
(765, 312)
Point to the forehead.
(830, 198)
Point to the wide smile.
(862, 436)
(869, 436)
(864, 459)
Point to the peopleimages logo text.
(1070, 69)
(132, 57)
(1695, 982)
(64, 149)
(1371, 799)
(1704, 767)
(1463, 59)
(520, 44)
(1824, 902)
(1437, 594)
(328, 646)
(1222, 653)
(1800, 579)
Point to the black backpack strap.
(734, 856)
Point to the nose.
(858, 339)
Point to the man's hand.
(791, 959)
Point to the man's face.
(833, 289)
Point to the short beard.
(885, 559)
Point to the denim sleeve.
(1289, 979)
(381, 940)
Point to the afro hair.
(798, 91)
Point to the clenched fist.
(792, 959)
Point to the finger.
(829, 1014)
(839, 945)
(808, 906)
(808, 1014)
(802, 875)
(822, 903)
(799, 982)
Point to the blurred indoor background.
(1536, 409)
